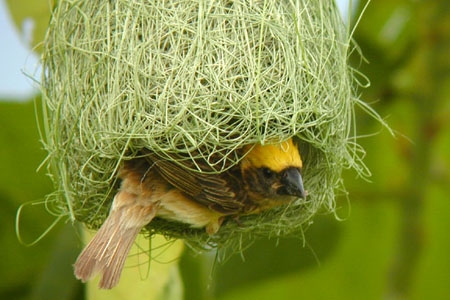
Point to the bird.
(153, 186)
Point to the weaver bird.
(267, 176)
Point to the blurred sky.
(16, 58)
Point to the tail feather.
(113, 267)
(107, 251)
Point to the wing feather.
(219, 191)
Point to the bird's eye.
(267, 172)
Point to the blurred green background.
(393, 241)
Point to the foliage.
(47, 266)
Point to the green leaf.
(20, 155)
(36, 11)
(356, 270)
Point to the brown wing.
(222, 192)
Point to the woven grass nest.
(206, 75)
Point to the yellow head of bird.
(276, 156)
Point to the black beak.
(292, 183)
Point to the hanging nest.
(184, 77)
